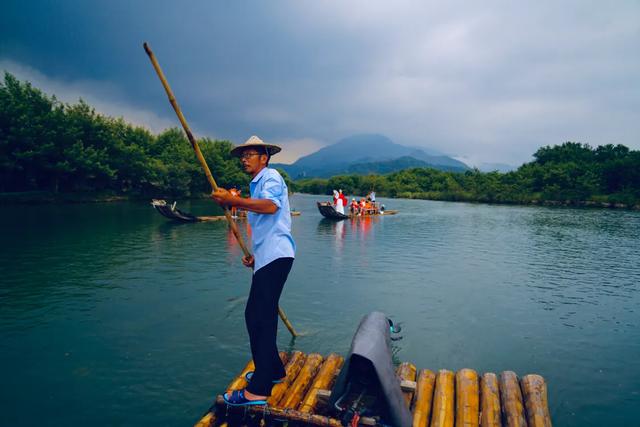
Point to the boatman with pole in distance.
(273, 254)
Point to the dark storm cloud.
(489, 81)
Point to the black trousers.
(261, 315)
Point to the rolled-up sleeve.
(272, 189)
(271, 233)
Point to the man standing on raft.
(273, 253)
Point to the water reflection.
(364, 225)
(167, 230)
(334, 230)
(233, 246)
(326, 227)
(340, 233)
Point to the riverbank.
(596, 204)
(537, 202)
(47, 197)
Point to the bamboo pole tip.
(147, 48)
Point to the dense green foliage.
(567, 173)
(46, 145)
(401, 163)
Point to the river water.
(111, 315)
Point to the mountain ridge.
(366, 153)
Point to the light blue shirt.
(270, 233)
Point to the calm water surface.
(111, 315)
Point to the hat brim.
(273, 149)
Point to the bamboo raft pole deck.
(436, 399)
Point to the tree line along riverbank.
(53, 151)
(567, 174)
(57, 151)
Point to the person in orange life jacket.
(354, 206)
(363, 207)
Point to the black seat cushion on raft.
(372, 342)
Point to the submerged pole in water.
(203, 163)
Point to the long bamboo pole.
(203, 163)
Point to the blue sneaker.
(249, 375)
(236, 398)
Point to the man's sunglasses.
(246, 156)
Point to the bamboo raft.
(327, 210)
(438, 399)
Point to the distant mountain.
(366, 153)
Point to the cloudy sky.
(485, 81)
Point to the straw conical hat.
(255, 142)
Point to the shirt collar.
(257, 177)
